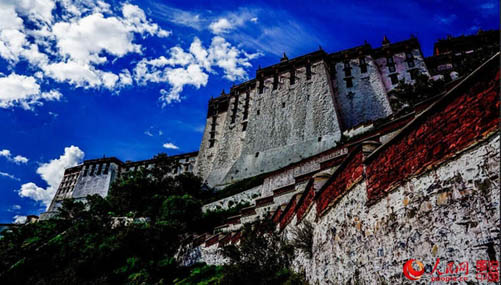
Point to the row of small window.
(89, 170)
(181, 169)
(390, 63)
(292, 78)
(235, 109)
(65, 190)
(393, 77)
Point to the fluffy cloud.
(192, 67)
(170, 146)
(23, 91)
(8, 175)
(52, 173)
(18, 159)
(221, 26)
(19, 219)
(78, 43)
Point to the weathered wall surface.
(284, 125)
(431, 192)
(366, 99)
(451, 213)
(247, 196)
(92, 184)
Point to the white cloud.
(192, 67)
(19, 219)
(18, 159)
(221, 26)
(16, 207)
(8, 175)
(52, 173)
(23, 91)
(83, 41)
(148, 133)
(86, 37)
(170, 146)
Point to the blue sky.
(82, 79)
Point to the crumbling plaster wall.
(366, 100)
(294, 122)
(94, 184)
(451, 212)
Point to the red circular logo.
(410, 272)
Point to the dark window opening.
(107, 168)
(308, 71)
(283, 104)
(234, 111)
(246, 106)
(257, 154)
(91, 170)
(275, 81)
(293, 76)
(319, 139)
(410, 63)
(394, 79)
(244, 126)
(363, 65)
(258, 112)
(349, 82)
(413, 73)
(211, 143)
(347, 72)
(85, 170)
(347, 69)
(261, 85)
(390, 63)
(99, 169)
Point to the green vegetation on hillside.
(88, 244)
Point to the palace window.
(363, 65)
(293, 76)
(394, 79)
(244, 126)
(410, 59)
(261, 85)
(390, 63)
(347, 69)
(349, 82)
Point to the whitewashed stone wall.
(451, 212)
(294, 122)
(94, 184)
(247, 196)
(366, 100)
(402, 68)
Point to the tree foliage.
(89, 242)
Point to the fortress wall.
(401, 66)
(366, 100)
(208, 155)
(294, 122)
(451, 213)
(445, 205)
(91, 184)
